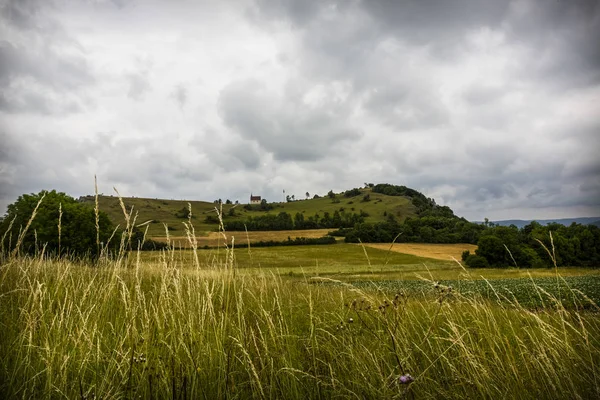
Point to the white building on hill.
(255, 199)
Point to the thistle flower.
(406, 379)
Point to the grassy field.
(299, 322)
(163, 211)
(349, 262)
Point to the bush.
(465, 255)
(475, 261)
(211, 219)
(183, 213)
(352, 192)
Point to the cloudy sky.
(490, 107)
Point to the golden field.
(429, 250)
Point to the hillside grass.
(163, 211)
(173, 326)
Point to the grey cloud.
(483, 95)
(285, 126)
(230, 153)
(30, 100)
(406, 106)
(42, 69)
(180, 95)
(297, 12)
(494, 190)
(46, 67)
(138, 86)
(21, 13)
(562, 37)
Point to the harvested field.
(430, 250)
(216, 238)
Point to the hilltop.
(373, 207)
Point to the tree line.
(284, 221)
(535, 246)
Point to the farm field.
(297, 322)
(350, 262)
(429, 250)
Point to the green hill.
(172, 212)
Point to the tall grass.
(164, 329)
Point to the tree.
(492, 249)
(183, 213)
(331, 194)
(307, 195)
(77, 235)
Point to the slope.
(173, 212)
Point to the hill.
(519, 223)
(204, 217)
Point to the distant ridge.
(563, 221)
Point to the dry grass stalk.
(190, 232)
(24, 231)
(6, 233)
(97, 215)
(59, 226)
(511, 256)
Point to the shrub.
(475, 261)
(352, 192)
(465, 255)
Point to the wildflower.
(406, 379)
(350, 320)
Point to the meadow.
(342, 321)
(165, 211)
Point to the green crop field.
(162, 211)
(342, 321)
(351, 262)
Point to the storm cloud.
(490, 107)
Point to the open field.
(213, 239)
(353, 262)
(164, 211)
(236, 324)
(428, 250)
